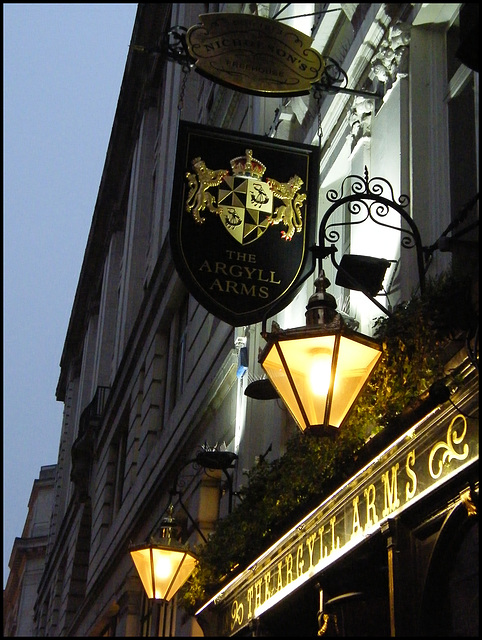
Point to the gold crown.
(247, 166)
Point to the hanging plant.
(278, 494)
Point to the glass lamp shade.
(319, 373)
(163, 569)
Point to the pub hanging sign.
(255, 55)
(242, 220)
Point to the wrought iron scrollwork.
(175, 48)
(370, 199)
(333, 79)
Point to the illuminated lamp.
(163, 565)
(319, 370)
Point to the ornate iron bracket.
(208, 459)
(335, 80)
(368, 199)
(173, 47)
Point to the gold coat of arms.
(243, 217)
(244, 202)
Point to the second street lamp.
(319, 370)
(163, 565)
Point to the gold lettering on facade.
(311, 541)
(257, 592)
(323, 549)
(372, 517)
(335, 540)
(356, 526)
(300, 563)
(410, 491)
(379, 496)
(237, 614)
(280, 576)
(289, 568)
(267, 586)
(390, 491)
(449, 452)
(249, 597)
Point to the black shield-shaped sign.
(243, 219)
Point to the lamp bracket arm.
(172, 47)
(194, 523)
(365, 200)
(335, 80)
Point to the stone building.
(27, 559)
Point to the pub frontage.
(220, 477)
(392, 552)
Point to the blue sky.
(63, 67)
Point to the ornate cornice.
(391, 59)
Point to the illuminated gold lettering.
(410, 491)
(323, 549)
(249, 598)
(257, 592)
(310, 541)
(267, 586)
(280, 576)
(372, 517)
(300, 563)
(263, 292)
(356, 526)
(390, 491)
(335, 540)
(289, 568)
(237, 614)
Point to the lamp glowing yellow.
(162, 569)
(320, 373)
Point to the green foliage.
(279, 493)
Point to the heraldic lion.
(198, 197)
(289, 213)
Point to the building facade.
(27, 559)
(149, 377)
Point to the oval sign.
(256, 55)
